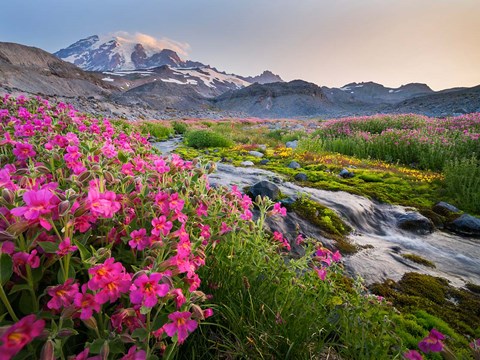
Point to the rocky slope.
(33, 70)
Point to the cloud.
(152, 42)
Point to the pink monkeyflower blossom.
(102, 204)
(139, 239)
(278, 209)
(161, 166)
(207, 313)
(23, 151)
(175, 203)
(84, 356)
(83, 223)
(129, 318)
(66, 247)
(7, 247)
(181, 233)
(111, 279)
(108, 150)
(247, 215)
(321, 272)
(145, 290)
(184, 249)
(161, 226)
(39, 204)
(179, 297)
(127, 169)
(412, 355)
(299, 240)
(181, 325)
(62, 295)
(20, 334)
(20, 259)
(86, 303)
(432, 342)
(205, 231)
(134, 354)
(224, 228)
(193, 280)
(202, 210)
(475, 344)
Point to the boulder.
(416, 223)
(264, 162)
(346, 174)
(257, 154)
(465, 225)
(301, 177)
(291, 144)
(294, 165)
(444, 208)
(247, 163)
(265, 188)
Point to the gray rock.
(416, 223)
(301, 177)
(264, 162)
(444, 208)
(465, 225)
(294, 165)
(287, 201)
(247, 163)
(257, 154)
(262, 147)
(346, 174)
(292, 144)
(265, 188)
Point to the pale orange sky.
(328, 42)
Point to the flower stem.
(5, 301)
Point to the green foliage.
(204, 139)
(462, 180)
(156, 130)
(179, 127)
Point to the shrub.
(156, 130)
(462, 180)
(204, 139)
(179, 127)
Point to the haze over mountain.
(131, 79)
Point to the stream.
(456, 258)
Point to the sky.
(327, 42)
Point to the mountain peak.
(265, 77)
(119, 51)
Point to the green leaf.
(84, 253)
(17, 288)
(71, 274)
(6, 268)
(140, 334)
(122, 157)
(96, 346)
(48, 247)
(26, 303)
(117, 346)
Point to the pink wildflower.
(161, 166)
(202, 210)
(62, 295)
(432, 342)
(412, 355)
(20, 334)
(161, 226)
(133, 354)
(175, 203)
(39, 204)
(102, 204)
(146, 290)
(179, 297)
(278, 209)
(224, 228)
(23, 151)
(139, 239)
(130, 318)
(86, 303)
(181, 325)
(111, 279)
(20, 259)
(321, 272)
(66, 247)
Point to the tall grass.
(462, 180)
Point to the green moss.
(473, 288)
(419, 260)
(459, 308)
(328, 222)
(201, 139)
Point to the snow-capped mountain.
(114, 52)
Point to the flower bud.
(105, 351)
(63, 208)
(22, 171)
(91, 323)
(64, 333)
(43, 169)
(48, 351)
(84, 177)
(96, 167)
(8, 196)
(6, 236)
(18, 228)
(197, 312)
(108, 176)
(126, 339)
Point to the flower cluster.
(111, 233)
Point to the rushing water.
(456, 258)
